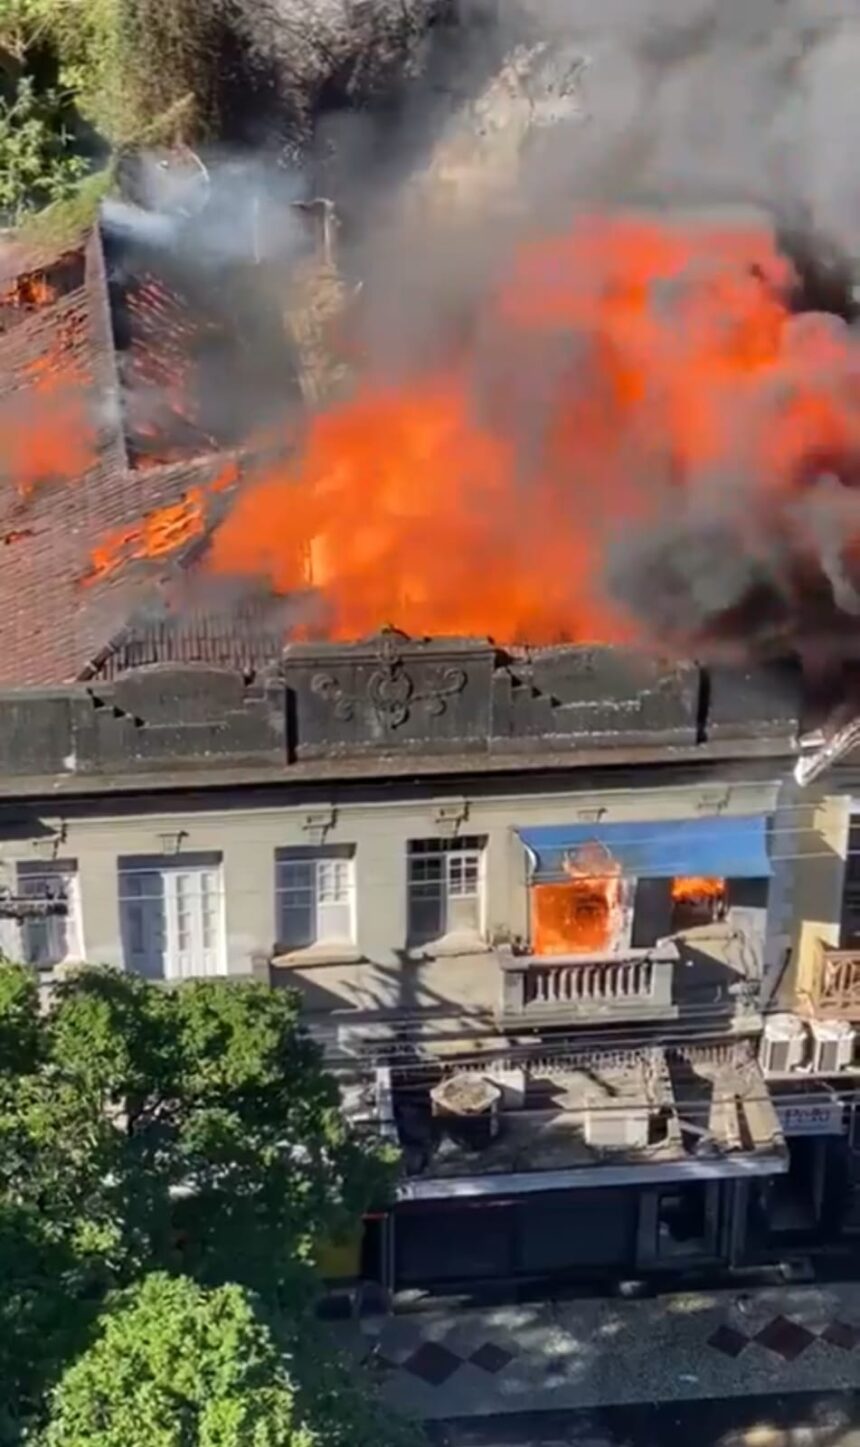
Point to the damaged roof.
(84, 485)
(66, 483)
(98, 583)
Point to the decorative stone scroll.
(391, 690)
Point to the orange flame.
(155, 536)
(160, 533)
(484, 497)
(692, 888)
(577, 918)
(46, 428)
(582, 915)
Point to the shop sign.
(812, 1117)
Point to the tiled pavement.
(588, 1353)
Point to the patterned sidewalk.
(591, 1353)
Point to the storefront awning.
(733, 847)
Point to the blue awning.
(728, 848)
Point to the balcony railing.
(833, 989)
(557, 990)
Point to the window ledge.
(449, 946)
(317, 955)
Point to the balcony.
(831, 990)
(561, 990)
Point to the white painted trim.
(588, 1177)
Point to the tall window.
(172, 916)
(315, 897)
(445, 882)
(53, 935)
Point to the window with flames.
(594, 909)
(697, 900)
(587, 911)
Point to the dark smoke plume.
(447, 131)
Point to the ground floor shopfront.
(624, 1231)
(457, 1242)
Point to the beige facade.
(811, 830)
(379, 974)
(820, 983)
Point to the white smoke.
(221, 211)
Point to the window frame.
(169, 928)
(342, 857)
(64, 869)
(457, 851)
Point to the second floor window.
(53, 935)
(172, 916)
(445, 883)
(315, 896)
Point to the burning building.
(544, 886)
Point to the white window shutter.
(195, 936)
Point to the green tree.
(135, 69)
(177, 1364)
(38, 163)
(19, 1020)
(219, 1128)
(83, 80)
(191, 1130)
(45, 1316)
(193, 1127)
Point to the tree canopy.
(175, 1363)
(191, 1131)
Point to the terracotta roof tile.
(52, 625)
(248, 637)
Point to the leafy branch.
(38, 165)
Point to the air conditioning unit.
(832, 1046)
(783, 1044)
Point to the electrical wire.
(559, 1044)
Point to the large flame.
(585, 914)
(160, 533)
(621, 369)
(47, 433)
